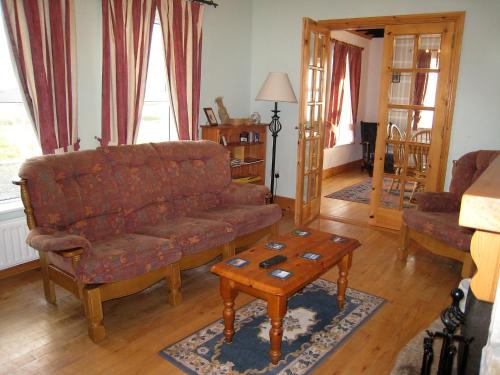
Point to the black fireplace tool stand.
(452, 317)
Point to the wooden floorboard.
(36, 337)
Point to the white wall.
(226, 57)
(276, 40)
(344, 154)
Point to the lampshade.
(277, 88)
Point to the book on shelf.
(246, 179)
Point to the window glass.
(157, 123)
(345, 133)
(17, 137)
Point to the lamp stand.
(274, 128)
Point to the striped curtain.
(181, 22)
(127, 27)
(42, 40)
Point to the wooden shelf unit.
(252, 154)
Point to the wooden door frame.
(455, 17)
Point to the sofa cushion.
(142, 184)
(125, 257)
(442, 226)
(192, 234)
(194, 170)
(245, 218)
(74, 190)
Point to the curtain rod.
(347, 44)
(207, 2)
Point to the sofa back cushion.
(74, 192)
(196, 172)
(143, 186)
(468, 168)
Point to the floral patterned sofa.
(113, 221)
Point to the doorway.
(397, 155)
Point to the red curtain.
(354, 55)
(423, 61)
(182, 35)
(336, 92)
(127, 27)
(42, 40)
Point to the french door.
(414, 102)
(315, 51)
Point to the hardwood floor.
(39, 338)
(344, 211)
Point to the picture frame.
(212, 120)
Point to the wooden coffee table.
(256, 281)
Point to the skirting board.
(20, 268)
(286, 204)
(341, 168)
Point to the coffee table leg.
(276, 308)
(228, 295)
(344, 266)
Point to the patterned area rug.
(313, 328)
(360, 193)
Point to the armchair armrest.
(437, 202)
(250, 194)
(48, 239)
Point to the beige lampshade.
(277, 88)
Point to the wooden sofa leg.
(404, 242)
(228, 250)
(275, 230)
(48, 286)
(174, 283)
(93, 312)
(469, 267)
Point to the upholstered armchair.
(434, 224)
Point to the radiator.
(13, 248)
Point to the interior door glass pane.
(312, 42)
(429, 50)
(310, 85)
(305, 198)
(320, 41)
(424, 93)
(421, 120)
(400, 88)
(314, 186)
(307, 164)
(397, 123)
(403, 51)
(317, 86)
(315, 153)
(307, 124)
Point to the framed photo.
(209, 112)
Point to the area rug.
(360, 193)
(313, 328)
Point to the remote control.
(272, 261)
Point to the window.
(344, 131)
(157, 123)
(17, 137)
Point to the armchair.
(434, 224)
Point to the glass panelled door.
(413, 104)
(315, 46)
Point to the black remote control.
(272, 261)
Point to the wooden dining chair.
(398, 135)
(419, 153)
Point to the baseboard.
(341, 168)
(20, 268)
(286, 204)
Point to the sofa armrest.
(437, 202)
(48, 239)
(250, 194)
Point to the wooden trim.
(287, 204)
(334, 40)
(361, 35)
(374, 22)
(20, 268)
(341, 168)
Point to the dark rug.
(313, 328)
(360, 193)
